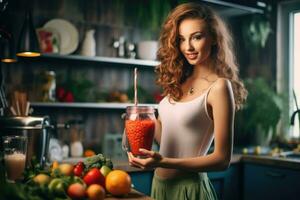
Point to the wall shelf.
(125, 61)
(232, 8)
(86, 105)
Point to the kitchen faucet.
(293, 116)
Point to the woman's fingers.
(133, 161)
(147, 152)
(129, 154)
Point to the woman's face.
(194, 40)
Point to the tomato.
(78, 169)
(94, 176)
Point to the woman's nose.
(190, 46)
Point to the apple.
(95, 192)
(76, 191)
(105, 170)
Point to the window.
(295, 67)
(288, 64)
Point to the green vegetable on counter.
(97, 161)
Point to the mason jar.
(139, 129)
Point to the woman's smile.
(192, 56)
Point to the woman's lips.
(191, 56)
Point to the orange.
(95, 192)
(89, 153)
(118, 182)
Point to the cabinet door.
(263, 182)
(142, 181)
(226, 183)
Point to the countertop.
(272, 161)
(235, 159)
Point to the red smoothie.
(140, 134)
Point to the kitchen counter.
(236, 158)
(272, 161)
(132, 195)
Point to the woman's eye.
(181, 39)
(197, 37)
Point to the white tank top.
(187, 129)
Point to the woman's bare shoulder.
(222, 87)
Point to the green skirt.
(190, 187)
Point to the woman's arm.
(221, 101)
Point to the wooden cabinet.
(142, 181)
(262, 182)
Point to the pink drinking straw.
(135, 87)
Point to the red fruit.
(68, 97)
(94, 176)
(78, 169)
(60, 93)
(76, 191)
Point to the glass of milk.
(15, 149)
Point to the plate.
(68, 33)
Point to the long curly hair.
(174, 68)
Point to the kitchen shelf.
(86, 105)
(232, 8)
(125, 61)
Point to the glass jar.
(139, 129)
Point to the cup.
(139, 129)
(15, 149)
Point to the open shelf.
(86, 105)
(126, 61)
(232, 8)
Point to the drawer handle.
(275, 174)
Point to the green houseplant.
(256, 122)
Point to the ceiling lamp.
(7, 54)
(28, 45)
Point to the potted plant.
(256, 122)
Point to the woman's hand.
(152, 159)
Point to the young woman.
(202, 90)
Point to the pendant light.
(28, 45)
(7, 54)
